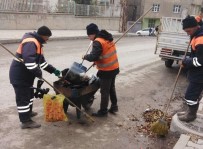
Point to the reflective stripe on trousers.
(24, 101)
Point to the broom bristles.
(160, 127)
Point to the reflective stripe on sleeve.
(44, 65)
(195, 62)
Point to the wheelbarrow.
(79, 90)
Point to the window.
(151, 23)
(176, 8)
(156, 7)
(111, 1)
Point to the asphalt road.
(143, 82)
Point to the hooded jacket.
(194, 63)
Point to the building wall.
(191, 7)
(54, 21)
(145, 22)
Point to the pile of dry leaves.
(150, 116)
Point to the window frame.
(156, 8)
(151, 23)
(176, 8)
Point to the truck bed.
(172, 41)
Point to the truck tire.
(169, 63)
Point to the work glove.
(57, 73)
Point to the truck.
(172, 41)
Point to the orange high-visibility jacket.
(39, 50)
(108, 60)
(34, 63)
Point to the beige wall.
(54, 21)
(166, 7)
(191, 7)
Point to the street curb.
(177, 126)
(188, 141)
(182, 142)
(11, 41)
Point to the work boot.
(183, 112)
(100, 113)
(30, 124)
(113, 109)
(33, 114)
(191, 115)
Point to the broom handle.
(127, 29)
(133, 25)
(87, 50)
(175, 83)
(89, 67)
(49, 84)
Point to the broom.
(161, 127)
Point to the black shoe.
(100, 113)
(30, 124)
(113, 109)
(33, 114)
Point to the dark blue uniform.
(194, 64)
(22, 75)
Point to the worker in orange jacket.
(22, 75)
(104, 55)
(194, 65)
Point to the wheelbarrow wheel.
(65, 105)
(78, 112)
(88, 105)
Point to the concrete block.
(194, 127)
(200, 107)
(182, 142)
(196, 146)
(200, 142)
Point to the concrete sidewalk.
(14, 36)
